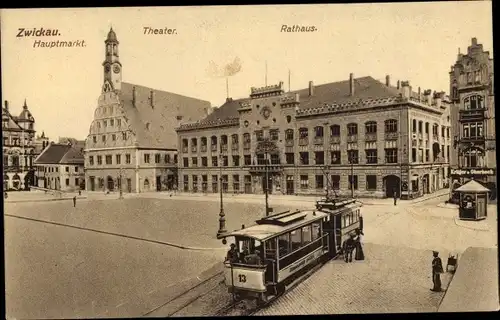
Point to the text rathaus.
(355, 136)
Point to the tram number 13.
(242, 278)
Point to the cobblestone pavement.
(390, 280)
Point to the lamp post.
(120, 180)
(222, 215)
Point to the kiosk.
(473, 201)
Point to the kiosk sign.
(472, 172)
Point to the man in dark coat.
(74, 201)
(232, 254)
(437, 269)
(395, 195)
(348, 248)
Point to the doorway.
(158, 183)
(391, 184)
(110, 183)
(290, 187)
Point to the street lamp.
(222, 215)
(121, 170)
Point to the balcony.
(479, 139)
(15, 168)
(370, 137)
(203, 148)
(391, 136)
(289, 143)
(334, 139)
(235, 147)
(352, 138)
(476, 114)
(261, 168)
(318, 140)
(303, 141)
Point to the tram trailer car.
(289, 244)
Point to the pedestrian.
(437, 269)
(348, 248)
(74, 201)
(359, 248)
(79, 192)
(395, 195)
(232, 254)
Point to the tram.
(285, 245)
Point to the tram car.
(280, 248)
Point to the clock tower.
(112, 66)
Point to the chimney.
(427, 94)
(311, 88)
(134, 96)
(419, 95)
(229, 99)
(398, 85)
(6, 105)
(297, 97)
(387, 80)
(152, 98)
(351, 83)
(405, 85)
(474, 41)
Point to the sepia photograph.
(249, 160)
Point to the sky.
(408, 41)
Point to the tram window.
(284, 244)
(270, 247)
(306, 235)
(296, 239)
(344, 221)
(316, 229)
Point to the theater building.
(473, 119)
(19, 149)
(358, 136)
(132, 137)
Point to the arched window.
(474, 158)
(473, 102)
(414, 125)
(203, 141)
(318, 132)
(234, 139)
(391, 125)
(334, 130)
(289, 134)
(370, 127)
(194, 142)
(352, 129)
(223, 139)
(303, 133)
(185, 143)
(213, 140)
(246, 138)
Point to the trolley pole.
(222, 215)
(120, 183)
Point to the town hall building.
(132, 143)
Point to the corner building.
(360, 134)
(473, 119)
(132, 143)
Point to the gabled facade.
(132, 143)
(19, 148)
(473, 119)
(359, 136)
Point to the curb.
(459, 224)
(43, 200)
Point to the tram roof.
(272, 226)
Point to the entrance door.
(158, 183)
(129, 185)
(425, 183)
(92, 184)
(269, 184)
(391, 185)
(481, 203)
(110, 184)
(289, 185)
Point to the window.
(289, 134)
(185, 162)
(103, 138)
(336, 157)
(413, 154)
(157, 158)
(118, 122)
(290, 158)
(370, 127)
(236, 161)
(146, 158)
(76, 182)
(124, 136)
(284, 244)
(204, 161)
(319, 157)
(335, 130)
(91, 160)
(105, 123)
(113, 137)
(67, 169)
(236, 182)
(473, 102)
(427, 155)
(118, 159)
(318, 132)
(94, 138)
(336, 182)
(320, 182)
(67, 182)
(303, 133)
(214, 184)
(371, 156)
(414, 125)
(304, 158)
(195, 183)
(275, 159)
(127, 158)
(247, 159)
(306, 234)
(186, 183)
(316, 231)
(109, 159)
(167, 158)
(225, 183)
(352, 129)
(371, 182)
(353, 181)
(274, 135)
(194, 161)
(259, 135)
(214, 161)
(391, 125)
(246, 137)
(225, 161)
(352, 156)
(420, 126)
(304, 182)
(296, 239)
(391, 155)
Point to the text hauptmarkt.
(58, 44)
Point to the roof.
(472, 186)
(265, 231)
(57, 153)
(155, 126)
(333, 92)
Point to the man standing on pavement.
(349, 246)
(74, 201)
(437, 269)
(395, 195)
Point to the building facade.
(473, 119)
(19, 149)
(359, 136)
(60, 167)
(132, 138)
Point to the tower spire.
(25, 106)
